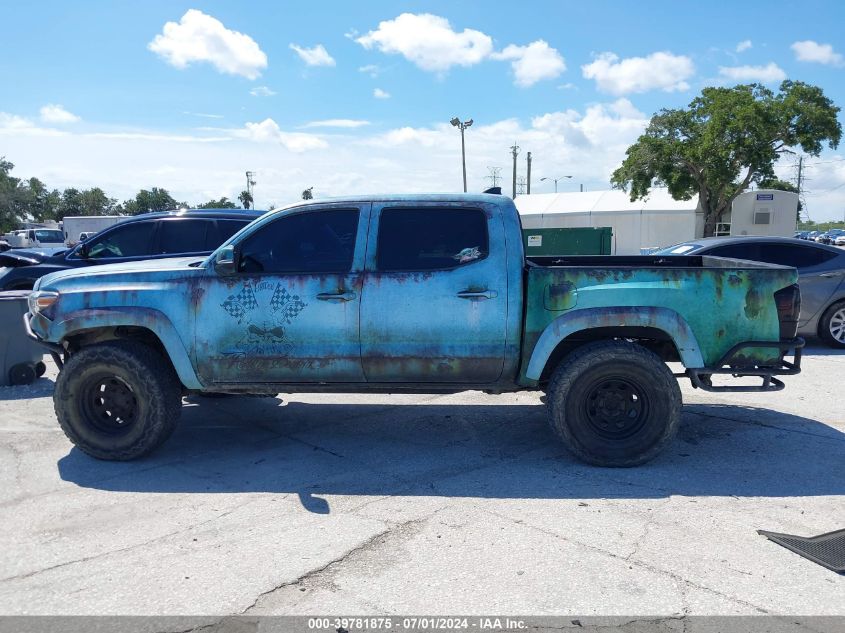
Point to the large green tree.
(223, 203)
(725, 140)
(10, 211)
(155, 199)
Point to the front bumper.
(56, 350)
(701, 378)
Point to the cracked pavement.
(421, 504)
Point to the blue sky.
(104, 93)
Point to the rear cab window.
(430, 239)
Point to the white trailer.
(658, 219)
(74, 225)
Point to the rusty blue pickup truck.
(414, 293)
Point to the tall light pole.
(462, 125)
(555, 179)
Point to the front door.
(434, 308)
(290, 312)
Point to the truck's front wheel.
(117, 400)
(614, 403)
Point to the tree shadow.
(245, 445)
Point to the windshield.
(49, 235)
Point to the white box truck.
(90, 224)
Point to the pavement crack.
(129, 548)
(652, 568)
(376, 541)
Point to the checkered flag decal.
(288, 305)
(239, 304)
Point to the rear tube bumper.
(700, 378)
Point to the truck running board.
(701, 378)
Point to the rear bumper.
(701, 378)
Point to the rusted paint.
(413, 327)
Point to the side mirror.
(225, 262)
(83, 250)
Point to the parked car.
(840, 240)
(415, 293)
(821, 276)
(829, 237)
(812, 235)
(801, 235)
(148, 236)
(85, 235)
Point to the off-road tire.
(831, 320)
(138, 374)
(614, 403)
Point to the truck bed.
(683, 292)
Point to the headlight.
(41, 301)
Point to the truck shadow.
(247, 445)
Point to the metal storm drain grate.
(827, 550)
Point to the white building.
(658, 219)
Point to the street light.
(462, 125)
(555, 179)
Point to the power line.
(494, 175)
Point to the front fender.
(149, 318)
(664, 319)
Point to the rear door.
(434, 304)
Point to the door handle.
(831, 274)
(478, 295)
(336, 297)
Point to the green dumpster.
(570, 241)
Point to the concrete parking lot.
(462, 504)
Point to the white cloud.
(769, 73)
(269, 131)
(378, 93)
(532, 63)
(54, 113)
(342, 123)
(373, 70)
(315, 56)
(18, 125)
(262, 91)
(586, 143)
(744, 45)
(658, 71)
(810, 51)
(198, 37)
(429, 42)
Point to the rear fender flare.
(664, 319)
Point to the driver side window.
(310, 242)
(131, 240)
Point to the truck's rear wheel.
(117, 400)
(614, 403)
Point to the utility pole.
(462, 125)
(528, 160)
(800, 170)
(250, 187)
(514, 151)
(494, 175)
